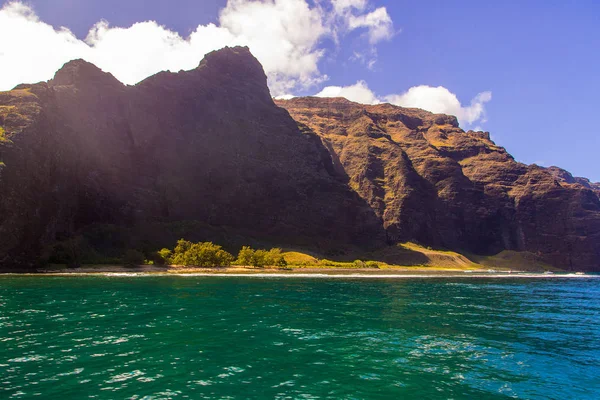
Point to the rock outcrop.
(564, 176)
(433, 183)
(89, 163)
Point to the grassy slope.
(411, 255)
(509, 259)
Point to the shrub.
(3, 138)
(259, 258)
(207, 254)
(182, 247)
(203, 254)
(281, 262)
(245, 256)
(274, 257)
(162, 257)
(359, 264)
(372, 264)
(133, 258)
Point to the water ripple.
(207, 337)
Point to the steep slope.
(434, 183)
(207, 145)
(91, 166)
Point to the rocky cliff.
(433, 183)
(206, 148)
(89, 165)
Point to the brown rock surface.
(434, 183)
(206, 154)
(564, 176)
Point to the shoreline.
(385, 273)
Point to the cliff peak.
(227, 70)
(236, 60)
(81, 72)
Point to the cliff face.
(87, 162)
(434, 183)
(565, 177)
(207, 145)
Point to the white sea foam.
(390, 276)
(353, 275)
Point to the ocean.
(197, 337)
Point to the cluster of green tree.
(260, 258)
(201, 254)
(207, 254)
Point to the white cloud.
(442, 101)
(285, 96)
(378, 22)
(285, 35)
(351, 15)
(30, 50)
(438, 100)
(359, 92)
(340, 6)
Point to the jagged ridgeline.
(206, 154)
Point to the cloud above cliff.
(359, 92)
(285, 35)
(435, 99)
(289, 38)
(441, 100)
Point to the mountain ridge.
(458, 189)
(208, 154)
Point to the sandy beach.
(299, 272)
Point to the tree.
(162, 257)
(259, 258)
(281, 262)
(245, 256)
(181, 247)
(203, 254)
(274, 257)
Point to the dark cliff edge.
(94, 167)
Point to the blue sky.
(536, 62)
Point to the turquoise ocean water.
(210, 337)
